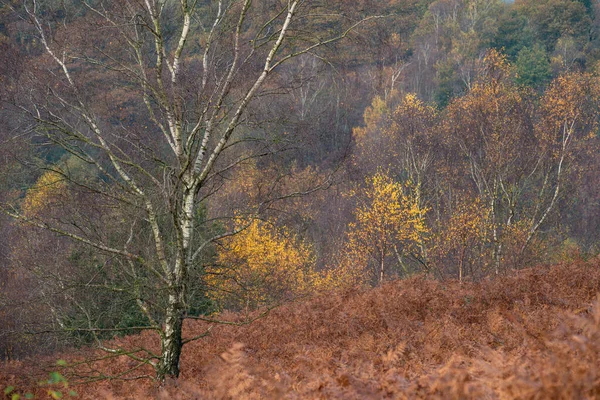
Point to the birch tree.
(389, 222)
(517, 153)
(156, 96)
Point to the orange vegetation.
(532, 335)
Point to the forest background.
(453, 138)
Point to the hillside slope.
(535, 334)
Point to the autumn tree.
(388, 224)
(568, 123)
(399, 136)
(261, 266)
(464, 238)
(159, 99)
(504, 140)
(492, 129)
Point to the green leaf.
(56, 377)
(72, 393)
(15, 396)
(29, 395)
(62, 363)
(55, 394)
(9, 389)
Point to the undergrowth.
(533, 334)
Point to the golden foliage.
(412, 106)
(388, 220)
(496, 66)
(373, 137)
(47, 191)
(490, 125)
(569, 106)
(261, 265)
(396, 138)
(467, 224)
(465, 235)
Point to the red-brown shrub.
(530, 335)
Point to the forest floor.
(530, 334)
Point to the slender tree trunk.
(422, 246)
(496, 237)
(400, 261)
(171, 343)
(381, 267)
(567, 131)
(461, 265)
